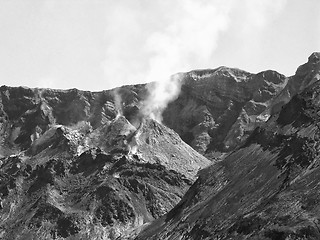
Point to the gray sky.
(96, 45)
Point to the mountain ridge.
(91, 165)
(266, 189)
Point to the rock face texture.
(215, 112)
(267, 189)
(218, 109)
(73, 166)
(91, 165)
(71, 182)
(27, 113)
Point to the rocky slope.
(215, 112)
(91, 165)
(267, 189)
(74, 167)
(94, 184)
(218, 109)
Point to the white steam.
(259, 13)
(117, 102)
(148, 41)
(151, 40)
(161, 93)
(183, 44)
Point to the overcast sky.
(97, 45)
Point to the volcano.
(235, 157)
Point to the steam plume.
(161, 93)
(158, 38)
(117, 101)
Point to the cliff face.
(267, 189)
(94, 184)
(218, 109)
(73, 165)
(27, 113)
(215, 112)
(90, 165)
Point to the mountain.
(218, 109)
(63, 180)
(267, 188)
(92, 165)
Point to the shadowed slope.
(268, 189)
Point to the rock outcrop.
(267, 189)
(215, 112)
(218, 109)
(89, 165)
(91, 184)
